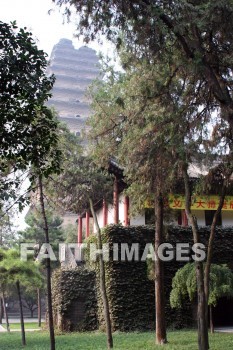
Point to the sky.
(47, 28)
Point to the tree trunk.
(48, 269)
(39, 307)
(1, 311)
(210, 248)
(161, 336)
(21, 314)
(5, 311)
(102, 281)
(203, 340)
(211, 320)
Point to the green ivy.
(130, 292)
(68, 285)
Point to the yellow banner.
(200, 202)
(176, 201)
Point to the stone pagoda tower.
(75, 69)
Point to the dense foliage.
(196, 35)
(24, 88)
(184, 284)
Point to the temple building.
(203, 207)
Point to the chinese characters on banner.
(200, 202)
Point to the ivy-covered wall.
(74, 299)
(130, 292)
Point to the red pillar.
(116, 201)
(184, 218)
(126, 211)
(87, 224)
(105, 213)
(80, 229)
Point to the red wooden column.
(184, 218)
(87, 224)
(126, 211)
(116, 201)
(80, 229)
(105, 213)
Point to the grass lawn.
(27, 325)
(178, 340)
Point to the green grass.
(178, 340)
(28, 325)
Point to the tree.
(35, 233)
(44, 167)
(30, 300)
(103, 280)
(48, 263)
(184, 284)
(6, 230)
(19, 273)
(44, 160)
(1, 310)
(35, 230)
(3, 289)
(26, 125)
(145, 117)
(28, 133)
(70, 233)
(25, 120)
(199, 31)
(24, 88)
(220, 178)
(79, 187)
(5, 309)
(131, 122)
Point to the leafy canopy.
(12, 269)
(196, 34)
(79, 179)
(184, 284)
(35, 230)
(24, 88)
